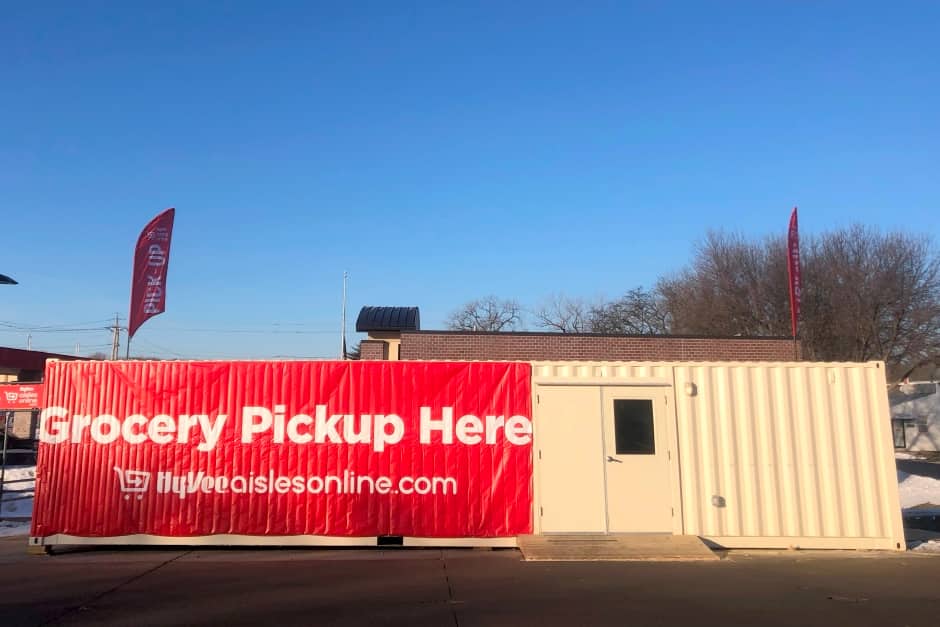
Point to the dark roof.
(388, 319)
(19, 359)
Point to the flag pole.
(343, 331)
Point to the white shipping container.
(746, 455)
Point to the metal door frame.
(669, 435)
(672, 440)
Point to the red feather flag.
(151, 260)
(793, 270)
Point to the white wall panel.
(772, 455)
(800, 451)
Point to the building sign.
(17, 396)
(353, 448)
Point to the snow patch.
(18, 473)
(918, 490)
(13, 528)
(19, 484)
(933, 546)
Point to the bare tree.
(564, 314)
(873, 296)
(866, 295)
(354, 352)
(486, 314)
(638, 312)
(732, 287)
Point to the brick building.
(394, 333)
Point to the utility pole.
(78, 349)
(29, 341)
(115, 339)
(342, 354)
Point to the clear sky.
(437, 153)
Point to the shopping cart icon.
(12, 396)
(133, 482)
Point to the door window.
(633, 427)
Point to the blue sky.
(437, 153)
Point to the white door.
(570, 459)
(636, 460)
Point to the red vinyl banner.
(151, 260)
(793, 271)
(20, 395)
(344, 448)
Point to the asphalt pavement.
(460, 588)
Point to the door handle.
(613, 459)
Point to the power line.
(38, 327)
(161, 348)
(8, 327)
(257, 331)
(61, 347)
(78, 327)
(76, 330)
(221, 354)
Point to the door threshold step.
(614, 548)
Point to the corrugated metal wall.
(582, 373)
(772, 454)
(81, 477)
(786, 450)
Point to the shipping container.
(758, 455)
(746, 455)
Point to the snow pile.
(918, 490)
(24, 474)
(13, 528)
(19, 482)
(933, 546)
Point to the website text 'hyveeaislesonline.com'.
(348, 483)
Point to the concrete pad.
(614, 547)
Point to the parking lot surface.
(459, 587)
